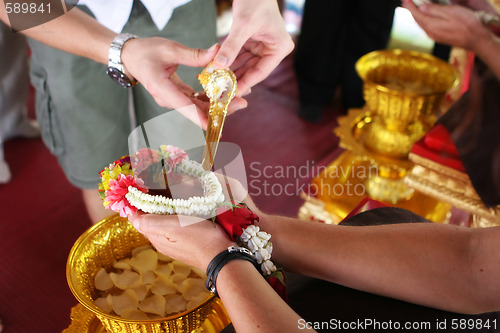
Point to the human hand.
(237, 190)
(192, 239)
(256, 44)
(482, 5)
(154, 61)
(450, 24)
(189, 239)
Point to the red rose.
(234, 218)
(279, 286)
(144, 158)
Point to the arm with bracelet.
(440, 266)
(250, 301)
(151, 61)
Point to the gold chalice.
(402, 90)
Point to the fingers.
(167, 94)
(151, 224)
(184, 88)
(197, 114)
(247, 92)
(419, 13)
(255, 73)
(237, 104)
(232, 187)
(241, 60)
(193, 57)
(230, 48)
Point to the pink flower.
(118, 188)
(173, 156)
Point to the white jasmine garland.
(194, 206)
(267, 267)
(257, 241)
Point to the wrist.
(265, 223)
(484, 44)
(212, 251)
(128, 51)
(222, 259)
(116, 68)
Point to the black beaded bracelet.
(232, 253)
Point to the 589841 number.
(473, 324)
(27, 8)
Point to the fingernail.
(239, 107)
(133, 220)
(213, 47)
(221, 60)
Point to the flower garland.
(194, 206)
(239, 223)
(123, 191)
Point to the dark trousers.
(335, 34)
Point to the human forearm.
(74, 32)
(251, 303)
(427, 264)
(488, 52)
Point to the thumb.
(184, 55)
(230, 49)
(151, 223)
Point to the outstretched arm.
(440, 266)
(152, 61)
(457, 25)
(250, 301)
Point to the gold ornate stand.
(84, 321)
(357, 173)
(451, 186)
(403, 91)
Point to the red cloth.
(366, 204)
(440, 139)
(438, 146)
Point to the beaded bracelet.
(220, 260)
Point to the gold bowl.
(112, 239)
(404, 86)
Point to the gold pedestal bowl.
(402, 90)
(109, 240)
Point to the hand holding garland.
(250, 301)
(412, 262)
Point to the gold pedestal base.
(343, 184)
(84, 321)
(452, 186)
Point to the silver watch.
(115, 65)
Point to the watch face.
(119, 77)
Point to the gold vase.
(402, 90)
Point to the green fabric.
(83, 114)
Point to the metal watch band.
(115, 52)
